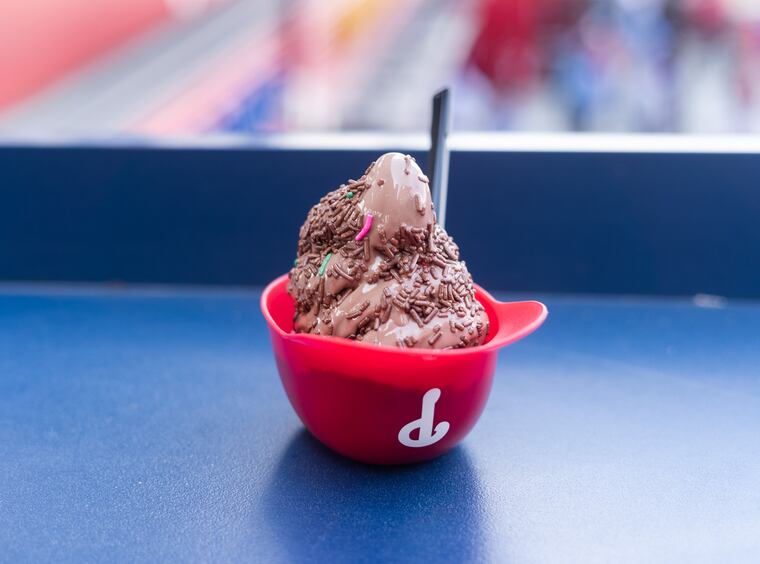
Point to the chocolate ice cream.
(373, 265)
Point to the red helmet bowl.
(384, 405)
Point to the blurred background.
(186, 67)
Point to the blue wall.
(542, 222)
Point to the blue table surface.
(150, 424)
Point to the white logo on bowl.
(428, 435)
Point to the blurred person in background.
(511, 55)
(625, 77)
(608, 64)
(719, 73)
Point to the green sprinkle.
(324, 264)
(349, 195)
(295, 262)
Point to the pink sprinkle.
(365, 229)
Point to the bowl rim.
(491, 345)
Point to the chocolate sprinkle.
(416, 317)
(430, 315)
(418, 204)
(356, 312)
(433, 338)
